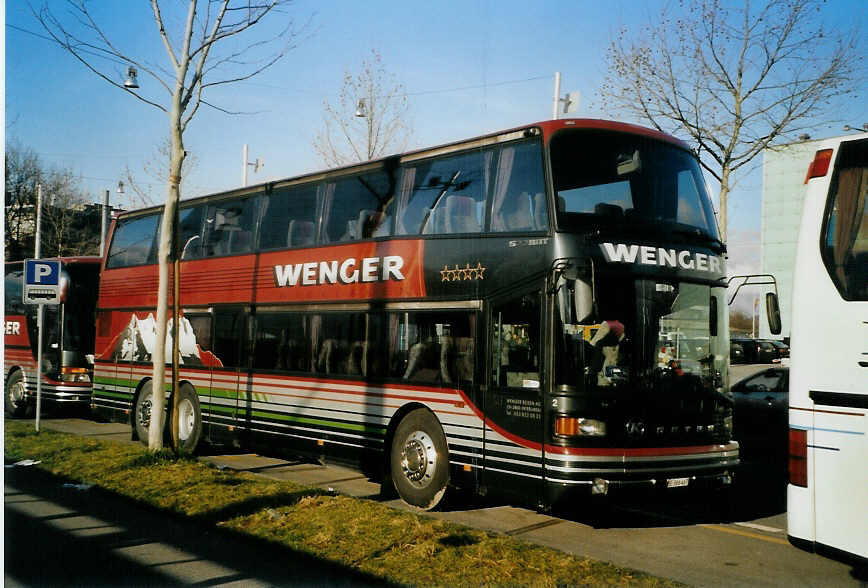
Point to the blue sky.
(74, 120)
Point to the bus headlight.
(579, 427)
(73, 374)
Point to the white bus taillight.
(799, 457)
(820, 166)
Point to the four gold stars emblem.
(458, 274)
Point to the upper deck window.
(519, 203)
(133, 241)
(445, 196)
(229, 226)
(289, 218)
(354, 208)
(607, 177)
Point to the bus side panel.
(828, 396)
(103, 401)
(16, 346)
(221, 407)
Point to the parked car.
(782, 348)
(756, 350)
(760, 419)
(736, 353)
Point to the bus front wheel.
(420, 460)
(16, 395)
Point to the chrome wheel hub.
(17, 392)
(145, 412)
(186, 419)
(418, 459)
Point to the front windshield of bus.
(653, 353)
(79, 307)
(606, 177)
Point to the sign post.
(41, 287)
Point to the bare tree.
(733, 80)
(67, 224)
(69, 227)
(23, 172)
(208, 51)
(368, 120)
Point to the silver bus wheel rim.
(419, 459)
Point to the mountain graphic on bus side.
(136, 343)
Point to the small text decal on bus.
(347, 271)
(660, 256)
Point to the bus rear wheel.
(189, 419)
(16, 395)
(419, 460)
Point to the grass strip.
(397, 546)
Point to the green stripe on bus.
(125, 382)
(110, 394)
(219, 408)
(319, 422)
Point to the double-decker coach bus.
(538, 311)
(67, 338)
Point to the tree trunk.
(167, 231)
(724, 193)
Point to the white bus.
(827, 495)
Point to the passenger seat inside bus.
(461, 215)
(299, 233)
(540, 217)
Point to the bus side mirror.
(773, 311)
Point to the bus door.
(229, 345)
(513, 395)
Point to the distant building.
(783, 193)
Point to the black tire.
(142, 413)
(420, 460)
(15, 393)
(190, 423)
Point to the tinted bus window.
(190, 231)
(445, 196)
(289, 218)
(434, 347)
(134, 241)
(602, 177)
(12, 287)
(845, 233)
(282, 342)
(340, 343)
(230, 341)
(519, 202)
(353, 207)
(229, 227)
(80, 307)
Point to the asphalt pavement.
(683, 539)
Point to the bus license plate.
(677, 482)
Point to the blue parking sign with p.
(41, 281)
